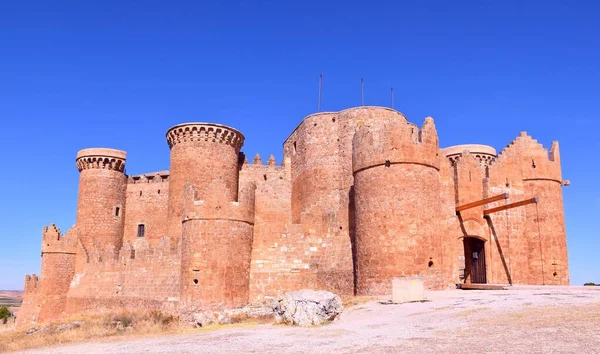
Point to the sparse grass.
(114, 324)
(92, 326)
(349, 301)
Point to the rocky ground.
(519, 320)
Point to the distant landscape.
(11, 298)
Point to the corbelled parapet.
(395, 143)
(53, 240)
(484, 154)
(101, 158)
(218, 133)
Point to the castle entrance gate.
(475, 260)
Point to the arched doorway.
(474, 260)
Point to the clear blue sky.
(77, 74)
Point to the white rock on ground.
(307, 307)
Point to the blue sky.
(119, 73)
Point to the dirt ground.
(518, 320)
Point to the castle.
(361, 196)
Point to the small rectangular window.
(141, 230)
(117, 211)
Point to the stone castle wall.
(361, 196)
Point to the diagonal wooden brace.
(510, 206)
(482, 202)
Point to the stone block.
(407, 289)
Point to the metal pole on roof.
(392, 96)
(320, 91)
(362, 91)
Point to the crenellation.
(361, 196)
(152, 177)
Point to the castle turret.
(58, 268)
(215, 227)
(205, 155)
(101, 199)
(396, 186)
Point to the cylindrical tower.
(545, 221)
(215, 228)
(101, 198)
(205, 155)
(396, 185)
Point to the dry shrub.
(90, 327)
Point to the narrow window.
(141, 230)
(294, 148)
(117, 210)
(140, 193)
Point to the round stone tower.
(215, 228)
(101, 198)
(206, 156)
(397, 191)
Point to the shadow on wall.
(352, 234)
(500, 251)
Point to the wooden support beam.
(510, 206)
(482, 202)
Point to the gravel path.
(519, 320)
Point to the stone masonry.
(362, 196)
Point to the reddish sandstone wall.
(30, 307)
(216, 250)
(147, 202)
(142, 277)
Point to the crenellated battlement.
(271, 163)
(205, 132)
(530, 158)
(53, 240)
(395, 142)
(31, 284)
(152, 177)
(101, 158)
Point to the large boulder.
(307, 307)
